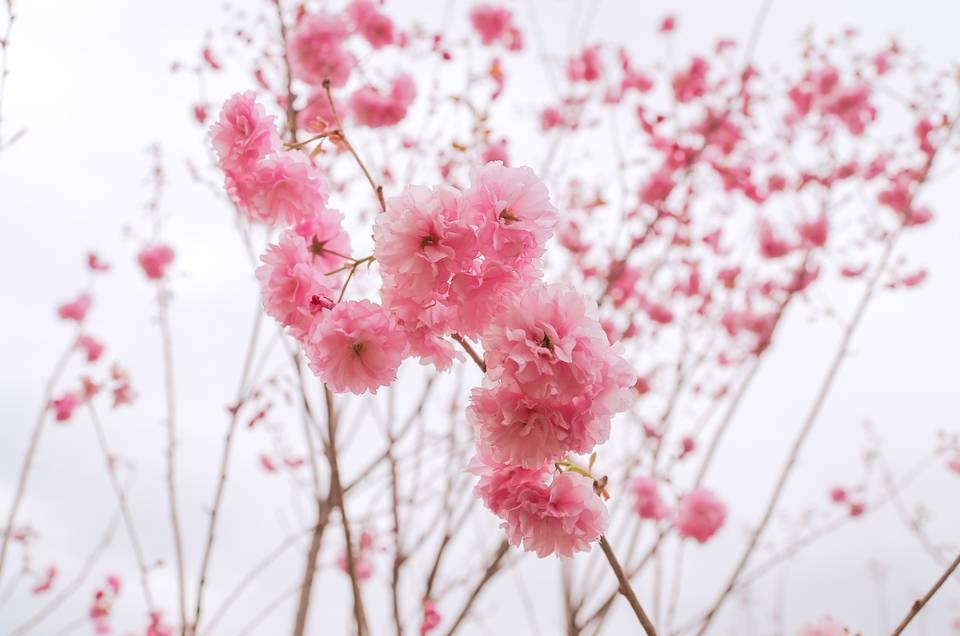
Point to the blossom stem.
(470, 351)
(625, 588)
(377, 189)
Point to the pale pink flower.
(357, 347)
(92, 347)
(549, 345)
(699, 515)
(496, 151)
(326, 240)
(284, 187)
(294, 288)
(824, 627)
(317, 116)
(491, 22)
(375, 26)
(515, 429)
(154, 260)
(421, 242)
(480, 295)
(512, 209)
(244, 134)
(76, 309)
(954, 464)
(561, 518)
(315, 47)
(648, 504)
(376, 110)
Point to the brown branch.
(291, 111)
(626, 589)
(470, 351)
(919, 603)
(336, 492)
(342, 136)
(323, 509)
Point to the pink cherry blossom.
(431, 618)
(512, 210)
(586, 66)
(491, 22)
(561, 518)
(317, 116)
(96, 264)
(648, 504)
(421, 242)
(691, 83)
(154, 260)
(512, 428)
(375, 110)
(548, 345)
(283, 187)
(357, 347)
(954, 464)
(496, 151)
(699, 515)
(327, 242)
(315, 47)
(293, 284)
(76, 309)
(244, 134)
(824, 627)
(64, 405)
(362, 563)
(157, 627)
(92, 347)
(375, 26)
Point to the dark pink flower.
(76, 309)
(154, 260)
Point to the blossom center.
(357, 348)
(508, 216)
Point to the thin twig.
(342, 135)
(124, 507)
(8, 529)
(224, 464)
(167, 344)
(919, 603)
(336, 491)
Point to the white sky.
(89, 81)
